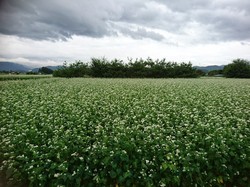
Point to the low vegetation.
(138, 68)
(5, 77)
(125, 132)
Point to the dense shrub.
(215, 72)
(77, 69)
(138, 68)
(45, 70)
(240, 68)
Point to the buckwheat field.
(125, 132)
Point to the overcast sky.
(36, 32)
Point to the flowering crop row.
(22, 77)
(126, 132)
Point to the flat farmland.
(5, 77)
(125, 132)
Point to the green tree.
(77, 69)
(240, 68)
(200, 73)
(215, 72)
(45, 70)
(137, 68)
(99, 67)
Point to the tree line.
(137, 68)
(239, 68)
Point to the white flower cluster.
(145, 132)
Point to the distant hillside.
(50, 67)
(11, 66)
(209, 68)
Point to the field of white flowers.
(125, 132)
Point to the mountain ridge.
(12, 66)
(210, 68)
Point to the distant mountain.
(209, 68)
(11, 66)
(50, 67)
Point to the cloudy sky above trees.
(36, 32)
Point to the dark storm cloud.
(55, 19)
(60, 19)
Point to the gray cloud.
(136, 32)
(228, 23)
(61, 19)
(56, 19)
(156, 15)
(140, 33)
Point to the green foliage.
(77, 69)
(31, 73)
(138, 68)
(200, 73)
(126, 132)
(45, 70)
(240, 68)
(215, 72)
